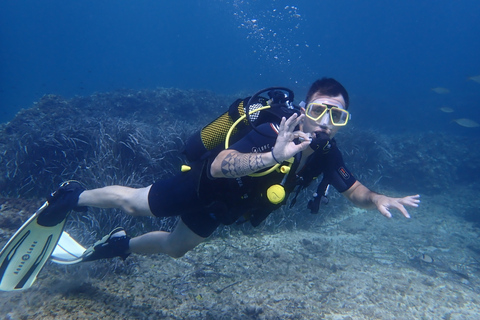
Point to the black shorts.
(178, 196)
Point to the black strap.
(319, 197)
(294, 200)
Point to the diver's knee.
(135, 203)
(131, 211)
(177, 255)
(181, 240)
(177, 249)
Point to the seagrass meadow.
(127, 137)
(343, 263)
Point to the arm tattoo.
(238, 165)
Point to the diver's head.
(325, 114)
(326, 108)
(328, 87)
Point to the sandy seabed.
(356, 265)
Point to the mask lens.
(338, 116)
(316, 110)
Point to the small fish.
(426, 258)
(446, 109)
(467, 123)
(441, 90)
(475, 78)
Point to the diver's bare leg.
(132, 201)
(135, 202)
(175, 243)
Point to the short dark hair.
(329, 87)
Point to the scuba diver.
(228, 185)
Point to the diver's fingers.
(285, 125)
(304, 139)
(282, 123)
(293, 121)
(403, 211)
(281, 127)
(385, 208)
(288, 123)
(384, 211)
(301, 135)
(412, 201)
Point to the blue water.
(388, 54)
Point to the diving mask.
(317, 109)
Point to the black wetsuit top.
(204, 202)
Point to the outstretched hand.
(285, 147)
(384, 204)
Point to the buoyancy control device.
(245, 115)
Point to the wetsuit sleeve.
(258, 142)
(337, 173)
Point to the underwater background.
(388, 54)
(106, 92)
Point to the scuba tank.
(225, 129)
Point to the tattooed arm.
(232, 163)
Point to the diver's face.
(324, 124)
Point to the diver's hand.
(230, 163)
(362, 197)
(384, 204)
(285, 147)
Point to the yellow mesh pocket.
(216, 131)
